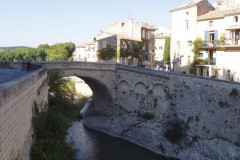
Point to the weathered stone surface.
(206, 106)
(141, 106)
(16, 102)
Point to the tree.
(196, 50)
(57, 52)
(137, 49)
(43, 46)
(124, 52)
(166, 54)
(106, 53)
(196, 47)
(70, 47)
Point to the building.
(218, 27)
(220, 30)
(160, 35)
(184, 32)
(126, 35)
(85, 52)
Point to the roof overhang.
(183, 7)
(234, 27)
(210, 18)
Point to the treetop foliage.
(60, 51)
(166, 54)
(107, 53)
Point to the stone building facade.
(160, 35)
(184, 25)
(125, 35)
(218, 27)
(85, 52)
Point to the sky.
(33, 22)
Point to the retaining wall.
(16, 104)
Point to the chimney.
(219, 2)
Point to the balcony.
(205, 62)
(221, 43)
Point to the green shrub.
(237, 143)
(147, 116)
(234, 92)
(175, 130)
(50, 125)
(107, 53)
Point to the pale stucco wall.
(159, 49)
(181, 34)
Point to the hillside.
(11, 48)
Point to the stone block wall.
(147, 102)
(16, 103)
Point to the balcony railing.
(227, 42)
(201, 61)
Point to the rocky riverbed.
(150, 135)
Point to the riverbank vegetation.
(60, 51)
(50, 123)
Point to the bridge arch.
(100, 77)
(158, 89)
(123, 84)
(140, 87)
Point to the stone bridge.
(109, 81)
(139, 105)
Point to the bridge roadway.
(7, 75)
(122, 94)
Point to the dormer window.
(235, 19)
(210, 23)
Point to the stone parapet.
(16, 102)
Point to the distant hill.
(11, 48)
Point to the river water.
(93, 145)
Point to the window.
(200, 55)
(187, 13)
(178, 44)
(189, 60)
(104, 44)
(145, 58)
(122, 24)
(147, 34)
(143, 33)
(186, 24)
(147, 47)
(211, 37)
(235, 19)
(160, 48)
(189, 43)
(210, 23)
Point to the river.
(93, 145)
